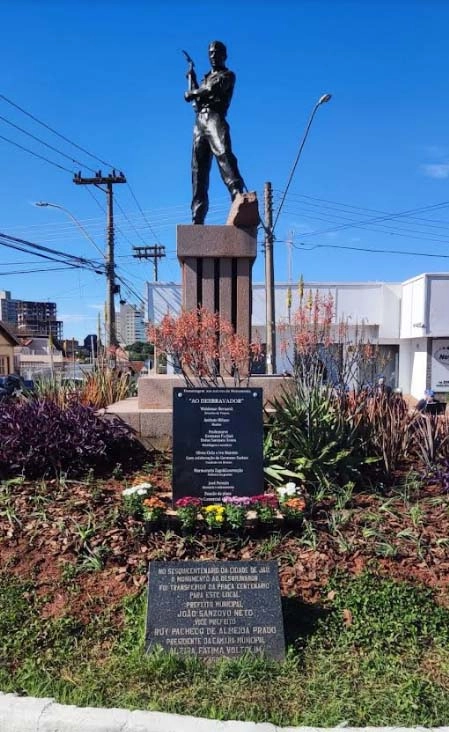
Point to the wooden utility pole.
(154, 252)
(112, 288)
(269, 281)
(289, 244)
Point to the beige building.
(7, 344)
(38, 357)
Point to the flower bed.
(267, 511)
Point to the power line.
(415, 233)
(130, 289)
(43, 269)
(130, 223)
(14, 264)
(392, 231)
(92, 195)
(50, 258)
(368, 249)
(55, 132)
(39, 249)
(339, 214)
(57, 228)
(42, 142)
(380, 219)
(42, 248)
(36, 155)
(143, 215)
(429, 222)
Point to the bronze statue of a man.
(211, 137)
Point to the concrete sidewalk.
(29, 714)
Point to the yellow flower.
(215, 508)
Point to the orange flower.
(294, 504)
(153, 502)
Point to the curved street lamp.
(45, 204)
(322, 100)
(109, 278)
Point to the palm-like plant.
(309, 437)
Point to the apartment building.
(130, 325)
(30, 318)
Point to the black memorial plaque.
(215, 609)
(217, 443)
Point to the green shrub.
(310, 438)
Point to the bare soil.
(83, 555)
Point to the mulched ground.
(83, 555)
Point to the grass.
(374, 652)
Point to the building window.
(4, 365)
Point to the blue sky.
(110, 76)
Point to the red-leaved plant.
(204, 346)
(321, 348)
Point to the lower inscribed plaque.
(215, 609)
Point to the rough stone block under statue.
(244, 211)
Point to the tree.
(140, 351)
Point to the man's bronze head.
(217, 54)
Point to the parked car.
(12, 384)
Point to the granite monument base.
(216, 264)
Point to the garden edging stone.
(30, 714)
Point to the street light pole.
(46, 204)
(322, 100)
(269, 240)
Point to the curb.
(30, 714)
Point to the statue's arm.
(212, 88)
(192, 78)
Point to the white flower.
(146, 486)
(281, 491)
(127, 491)
(140, 490)
(291, 489)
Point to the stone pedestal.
(151, 414)
(216, 264)
(156, 392)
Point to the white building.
(38, 357)
(130, 325)
(411, 319)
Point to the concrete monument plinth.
(156, 392)
(150, 413)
